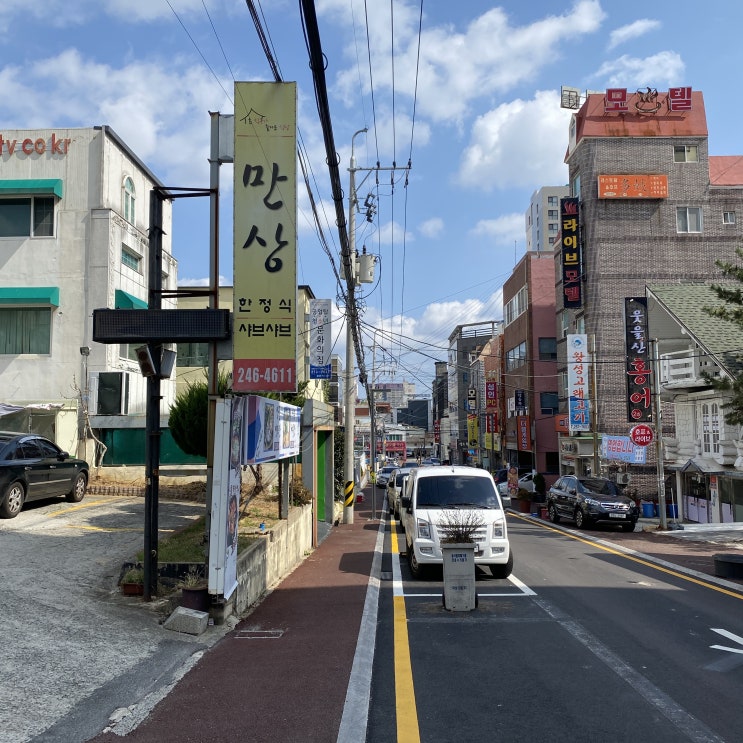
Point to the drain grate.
(260, 634)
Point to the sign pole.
(658, 442)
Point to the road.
(582, 644)
(74, 650)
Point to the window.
(516, 357)
(548, 403)
(552, 201)
(565, 322)
(552, 214)
(27, 330)
(547, 349)
(728, 217)
(129, 200)
(27, 217)
(130, 259)
(575, 186)
(710, 428)
(685, 153)
(552, 228)
(516, 305)
(688, 219)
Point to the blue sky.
(480, 121)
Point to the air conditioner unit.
(623, 478)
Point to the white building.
(542, 218)
(74, 217)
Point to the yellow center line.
(639, 560)
(406, 712)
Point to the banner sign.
(265, 238)
(437, 432)
(491, 397)
(621, 449)
(633, 186)
(578, 394)
(572, 297)
(273, 430)
(320, 341)
(639, 374)
(524, 433)
(473, 433)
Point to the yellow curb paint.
(71, 509)
(406, 712)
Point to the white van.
(436, 496)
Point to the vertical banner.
(226, 486)
(578, 393)
(265, 238)
(572, 297)
(639, 373)
(473, 434)
(524, 433)
(320, 341)
(491, 396)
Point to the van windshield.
(456, 491)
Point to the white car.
(394, 489)
(383, 475)
(526, 482)
(434, 494)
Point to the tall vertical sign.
(265, 238)
(639, 373)
(320, 342)
(579, 418)
(572, 296)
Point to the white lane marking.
(730, 636)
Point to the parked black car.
(589, 500)
(32, 467)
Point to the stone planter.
(459, 576)
(195, 597)
(132, 589)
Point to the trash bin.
(648, 510)
(673, 511)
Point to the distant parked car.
(589, 500)
(383, 475)
(32, 467)
(394, 489)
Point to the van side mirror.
(405, 501)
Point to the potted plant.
(525, 497)
(132, 581)
(457, 536)
(194, 589)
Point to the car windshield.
(597, 485)
(456, 490)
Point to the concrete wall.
(269, 560)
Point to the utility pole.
(658, 440)
(594, 410)
(349, 263)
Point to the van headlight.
(424, 529)
(497, 531)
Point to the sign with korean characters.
(578, 393)
(639, 186)
(572, 272)
(320, 340)
(639, 374)
(265, 238)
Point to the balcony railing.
(687, 368)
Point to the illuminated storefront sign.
(647, 100)
(572, 297)
(578, 396)
(639, 373)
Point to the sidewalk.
(282, 674)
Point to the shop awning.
(125, 301)
(32, 185)
(30, 295)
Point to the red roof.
(593, 121)
(726, 170)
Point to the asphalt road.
(584, 644)
(75, 651)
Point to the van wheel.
(503, 571)
(416, 568)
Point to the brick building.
(655, 209)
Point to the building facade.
(542, 218)
(653, 208)
(74, 219)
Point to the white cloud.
(432, 227)
(456, 67)
(632, 31)
(503, 230)
(520, 143)
(656, 70)
(392, 231)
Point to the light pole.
(349, 263)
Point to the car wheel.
(78, 489)
(629, 527)
(503, 571)
(12, 503)
(554, 516)
(416, 568)
(581, 520)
